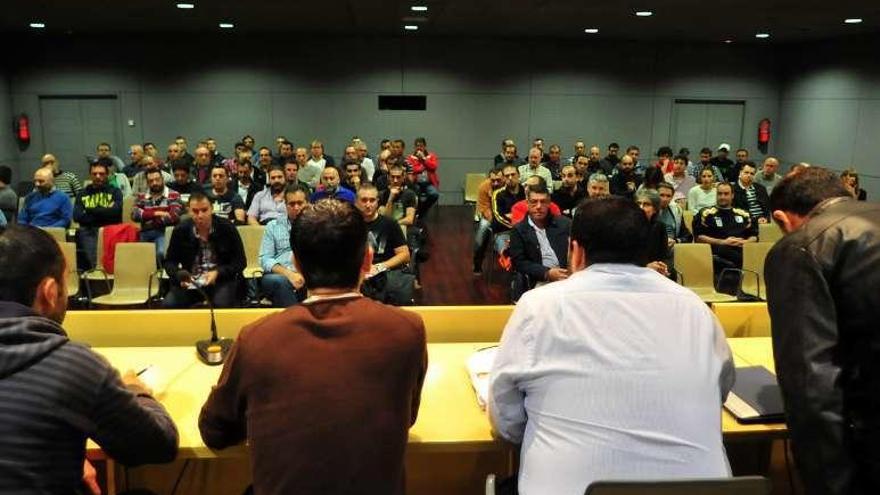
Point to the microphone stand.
(213, 351)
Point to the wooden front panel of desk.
(170, 327)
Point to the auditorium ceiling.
(688, 20)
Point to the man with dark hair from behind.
(59, 393)
(595, 395)
(823, 291)
(341, 386)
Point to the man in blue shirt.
(45, 206)
(280, 279)
(331, 187)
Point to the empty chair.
(251, 238)
(58, 233)
(769, 232)
(745, 485)
(752, 282)
(471, 186)
(134, 275)
(693, 262)
(71, 276)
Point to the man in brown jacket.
(325, 391)
(494, 180)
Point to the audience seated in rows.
(388, 280)
(725, 228)
(331, 188)
(156, 210)
(751, 196)
(534, 167)
(225, 202)
(423, 166)
(503, 200)
(46, 206)
(269, 204)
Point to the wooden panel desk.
(172, 327)
(451, 427)
(449, 418)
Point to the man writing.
(596, 394)
(58, 393)
(343, 427)
(281, 279)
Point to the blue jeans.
(87, 244)
(482, 235)
(428, 195)
(279, 290)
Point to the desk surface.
(449, 417)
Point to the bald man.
(768, 177)
(66, 182)
(46, 206)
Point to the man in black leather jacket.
(823, 285)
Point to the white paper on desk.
(479, 365)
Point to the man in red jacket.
(423, 164)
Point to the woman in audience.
(703, 194)
(850, 179)
(657, 251)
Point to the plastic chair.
(251, 238)
(58, 233)
(127, 206)
(769, 232)
(693, 262)
(135, 269)
(99, 272)
(472, 186)
(745, 485)
(72, 276)
(754, 255)
(688, 219)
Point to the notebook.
(479, 365)
(755, 397)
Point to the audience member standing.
(823, 291)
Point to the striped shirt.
(68, 183)
(754, 206)
(55, 394)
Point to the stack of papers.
(479, 365)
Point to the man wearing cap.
(725, 165)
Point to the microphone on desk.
(214, 350)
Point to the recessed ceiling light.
(854, 20)
(411, 27)
(186, 6)
(591, 30)
(728, 41)
(644, 13)
(419, 8)
(226, 25)
(37, 25)
(762, 36)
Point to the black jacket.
(823, 288)
(183, 248)
(741, 201)
(525, 253)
